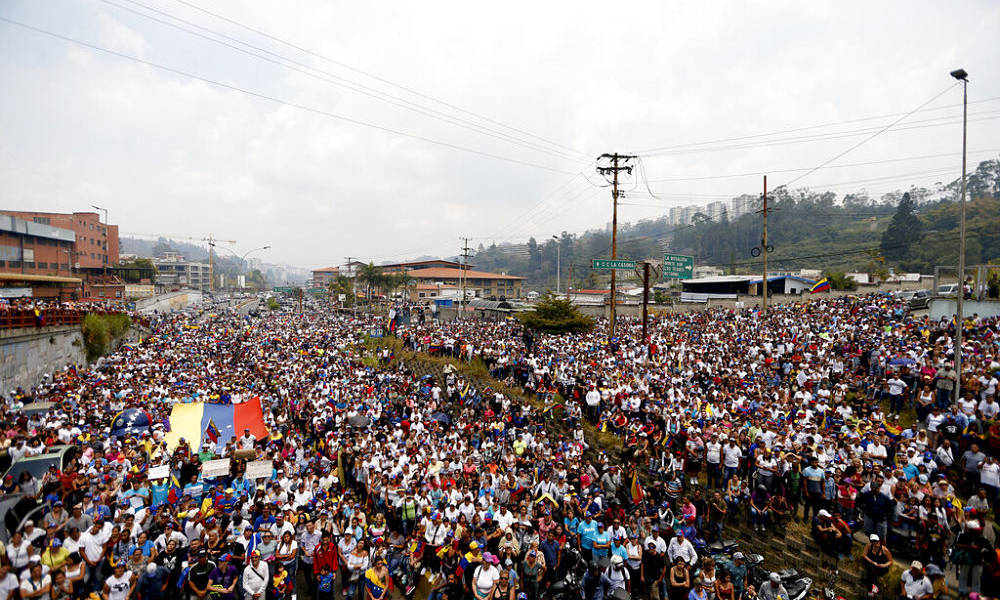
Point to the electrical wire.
(652, 151)
(334, 79)
(371, 75)
(276, 100)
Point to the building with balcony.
(434, 282)
(173, 271)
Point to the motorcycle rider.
(618, 575)
(772, 589)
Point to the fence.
(26, 317)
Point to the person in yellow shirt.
(55, 556)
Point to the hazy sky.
(550, 84)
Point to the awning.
(39, 278)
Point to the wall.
(947, 307)
(27, 354)
(168, 302)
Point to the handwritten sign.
(260, 469)
(215, 468)
(160, 472)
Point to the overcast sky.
(548, 84)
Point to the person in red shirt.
(326, 553)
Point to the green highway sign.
(678, 266)
(604, 264)
(282, 290)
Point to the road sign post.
(603, 264)
(678, 266)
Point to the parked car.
(919, 300)
(947, 289)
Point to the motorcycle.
(796, 585)
(572, 568)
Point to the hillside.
(807, 229)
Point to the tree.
(255, 279)
(371, 277)
(840, 281)
(343, 285)
(904, 230)
(556, 315)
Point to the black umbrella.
(359, 421)
(441, 418)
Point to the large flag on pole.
(191, 421)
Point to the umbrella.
(359, 421)
(441, 418)
(906, 362)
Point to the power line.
(869, 138)
(843, 166)
(276, 100)
(334, 79)
(371, 75)
(651, 151)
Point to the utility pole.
(462, 277)
(645, 299)
(613, 170)
(763, 250)
(354, 289)
(962, 76)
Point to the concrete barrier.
(168, 302)
(29, 353)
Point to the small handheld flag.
(212, 432)
(823, 285)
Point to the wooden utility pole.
(763, 250)
(618, 163)
(645, 299)
(462, 276)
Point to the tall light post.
(558, 262)
(962, 76)
(243, 257)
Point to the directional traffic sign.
(678, 266)
(604, 264)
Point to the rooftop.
(443, 273)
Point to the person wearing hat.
(199, 576)
(618, 575)
(772, 589)
(120, 585)
(152, 583)
(876, 559)
(486, 577)
(223, 578)
(914, 585)
(54, 557)
(255, 577)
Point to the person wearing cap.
(54, 557)
(486, 577)
(255, 578)
(618, 575)
(914, 585)
(876, 559)
(120, 585)
(152, 583)
(223, 578)
(199, 576)
(772, 589)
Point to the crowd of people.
(382, 477)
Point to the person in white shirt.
(35, 586)
(247, 440)
(120, 585)
(255, 578)
(682, 548)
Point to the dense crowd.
(382, 476)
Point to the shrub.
(100, 330)
(556, 315)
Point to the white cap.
(873, 537)
(775, 577)
(824, 513)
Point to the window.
(29, 265)
(42, 220)
(16, 264)
(29, 255)
(42, 265)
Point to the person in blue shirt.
(266, 519)
(585, 532)
(324, 583)
(601, 542)
(158, 493)
(815, 487)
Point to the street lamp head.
(266, 248)
(960, 75)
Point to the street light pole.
(558, 263)
(962, 76)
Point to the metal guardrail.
(21, 318)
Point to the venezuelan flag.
(376, 587)
(191, 421)
(823, 285)
(635, 491)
